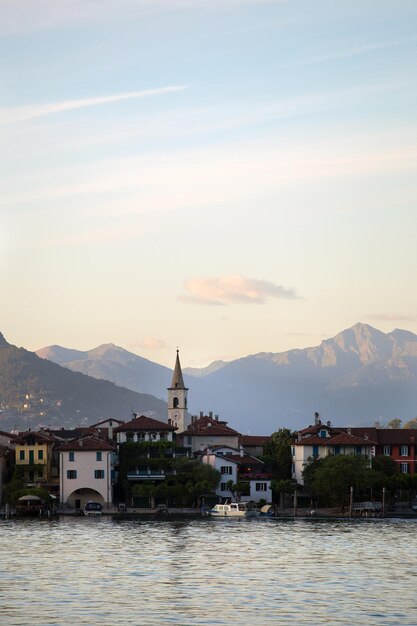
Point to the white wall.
(85, 463)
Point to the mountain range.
(36, 392)
(357, 377)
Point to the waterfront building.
(236, 466)
(34, 456)
(320, 440)
(86, 470)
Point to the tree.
(335, 474)
(411, 423)
(394, 423)
(239, 489)
(277, 453)
(280, 488)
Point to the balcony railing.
(149, 474)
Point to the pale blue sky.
(230, 177)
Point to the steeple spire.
(177, 379)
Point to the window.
(261, 486)
(323, 434)
(129, 437)
(40, 472)
(223, 487)
(315, 451)
(387, 451)
(71, 474)
(98, 473)
(226, 469)
(71, 456)
(404, 468)
(293, 450)
(337, 449)
(358, 449)
(22, 455)
(293, 468)
(98, 456)
(189, 440)
(403, 450)
(40, 455)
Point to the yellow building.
(34, 454)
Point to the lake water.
(202, 571)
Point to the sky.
(225, 177)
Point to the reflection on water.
(101, 571)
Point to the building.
(236, 466)
(34, 456)
(207, 431)
(320, 440)
(177, 399)
(141, 428)
(86, 471)
(253, 444)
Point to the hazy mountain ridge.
(35, 391)
(358, 376)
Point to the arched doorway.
(79, 498)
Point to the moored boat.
(233, 509)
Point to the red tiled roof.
(396, 436)
(109, 419)
(23, 436)
(311, 441)
(242, 460)
(345, 439)
(88, 444)
(144, 423)
(206, 425)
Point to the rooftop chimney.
(211, 414)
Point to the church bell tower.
(177, 399)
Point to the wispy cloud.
(392, 317)
(350, 52)
(29, 112)
(233, 290)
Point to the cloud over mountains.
(234, 289)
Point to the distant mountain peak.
(3, 342)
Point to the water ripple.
(220, 572)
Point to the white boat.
(233, 509)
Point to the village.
(194, 463)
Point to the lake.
(202, 571)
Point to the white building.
(86, 472)
(235, 465)
(320, 440)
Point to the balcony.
(149, 474)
